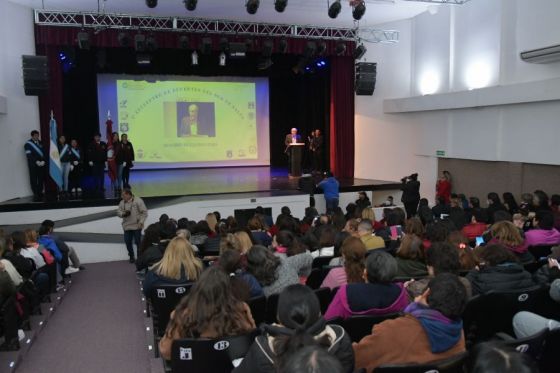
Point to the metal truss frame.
(452, 2)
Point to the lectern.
(295, 151)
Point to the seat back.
(490, 313)
(325, 297)
(164, 299)
(360, 326)
(211, 246)
(271, 307)
(540, 251)
(549, 358)
(454, 364)
(321, 261)
(316, 277)
(209, 355)
(532, 345)
(258, 308)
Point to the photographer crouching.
(133, 212)
(410, 194)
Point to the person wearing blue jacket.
(49, 243)
(330, 187)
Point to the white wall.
(16, 39)
(486, 34)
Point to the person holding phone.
(133, 213)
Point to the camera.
(126, 214)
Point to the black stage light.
(310, 49)
(280, 5)
(267, 47)
(206, 47)
(340, 48)
(124, 40)
(224, 45)
(151, 3)
(358, 10)
(360, 51)
(190, 4)
(151, 43)
(252, 6)
(83, 40)
(321, 48)
(140, 43)
(334, 9)
(283, 45)
(184, 42)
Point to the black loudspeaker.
(366, 73)
(35, 75)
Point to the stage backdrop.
(304, 100)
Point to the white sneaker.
(79, 190)
(71, 270)
(21, 334)
(73, 190)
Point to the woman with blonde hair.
(368, 213)
(178, 265)
(212, 223)
(506, 234)
(244, 240)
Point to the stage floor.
(156, 184)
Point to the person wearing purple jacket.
(544, 232)
(378, 296)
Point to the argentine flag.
(55, 168)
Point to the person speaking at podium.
(291, 138)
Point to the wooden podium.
(295, 151)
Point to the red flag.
(111, 161)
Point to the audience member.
(150, 251)
(365, 231)
(212, 224)
(178, 266)
(466, 256)
(492, 357)
(245, 242)
(431, 329)
(210, 310)
(541, 201)
(526, 206)
(441, 209)
(246, 285)
(377, 296)
(260, 235)
(494, 204)
(544, 232)
(353, 265)
(8, 267)
(299, 325)
(275, 272)
(326, 243)
(510, 203)
(499, 270)
(363, 201)
(425, 212)
(312, 359)
(506, 234)
(476, 227)
(410, 257)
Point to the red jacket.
(473, 230)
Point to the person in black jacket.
(150, 251)
(97, 156)
(300, 325)
(494, 204)
(36, 162)
(410, 194)
(76, 165)
(126, 158)
(499, 270)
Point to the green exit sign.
(440, 153)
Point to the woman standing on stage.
(125, 157)
(76, 161)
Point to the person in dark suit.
(36, 162)
(410, 194)
(97, 156)
(191, 125)
(291, 138)
(316, 147)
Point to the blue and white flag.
(55, 168)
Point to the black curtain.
(296, 100)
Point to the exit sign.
(440, 153)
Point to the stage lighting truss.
(373, 35)
(452, 2)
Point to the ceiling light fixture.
(190, 5)
(280, 5)
(252, 6)
(358, 9)
(334, 9)
(151, 3)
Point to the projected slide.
(189, 121)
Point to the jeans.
(526, 324)
(135, 235)
(65, 175)
(119, 180)
(332, 203)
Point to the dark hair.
(502, 215)
(466, 256)
(423, 202)
(437, 232)
(230, 262)
(447, 295)
(34, 132)
(381, 267)
(255, 224)
(545, 219)
(19, 240)
(474, 201)
(127, 191)
(494, 198)
(169, 229)
(339, 240)
(286, 223)
(555, 200)
(542, 198)
(400, 215)
(299, 311)
(312, 359)
(285, 210)
(441, 200)
(262, 264)
(163, 218)
(443, 257)
(327, 236)
(202, 227)
(231, 223)
(329, 174)
(490, 357)
(393, 218)
(217, 215)
(210, 305)
(351, 209)
(44, 229)
(151, 236)
(493, 255)
(183, 223)
(479, 215)
(290, 242)
(509, 199)
(49, 223)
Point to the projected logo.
(196, 119)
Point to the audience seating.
(203, 355)
(549, 358)
(316, 277)
(211, 246)
(360, 326)
(532, 267)
(258, 309)
(540, 251)
(325, 297)
(454, 364)
(9, 320)
(321, 261)
(490, 313)
(271, 307)
(532, 345)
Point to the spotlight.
(334, 9)
(194, 58)
(124, 40)
(358, 9)
(340, 48)
(321, 48)
(280, 5)
(151, 43)
(252, 6)
(151, 3)
(206, 47)
(360, 51)
(267, 48)
(222, 59)
(83, 40)
(224, 45)
(283, 45)
(190, 4)
(184, 42)
(140, 43)
(310, 49)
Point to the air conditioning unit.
(542, 55)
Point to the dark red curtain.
(342, 117)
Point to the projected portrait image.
(196, 119)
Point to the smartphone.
(479, 240)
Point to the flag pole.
(109, 114)
(52, 115)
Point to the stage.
(156, 186)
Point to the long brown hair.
(466, 255)
(507, 233)
(354, 253)
(411, 247)
(210, 306)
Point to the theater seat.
(258, 308)
(360, 326)
(321, 261)
(532, 345)
(316, 277)
(325, 297)
(204, 355)
(548, 362)
(540, 251)
(453, 364)
(271, 307)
